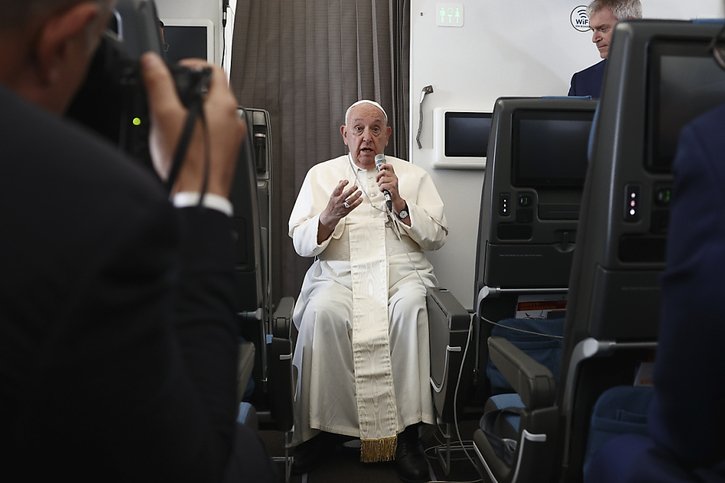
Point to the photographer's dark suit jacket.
(588, 82)
(118, 347)
(686, 418)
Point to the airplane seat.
(536, 162)
(529, 216)
(450, 330)
(539, 338)
(248, 269)
(659, 76)
(688, 350)
(264, 322)
(531, 200)
(620, 410)
(283, 338)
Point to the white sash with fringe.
(377, 411)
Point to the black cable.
(182, 147)
(207, 157)
(192, 96)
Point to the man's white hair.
(365, 101)
(621, 9)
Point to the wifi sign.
(579, 18)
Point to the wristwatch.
(403, 214)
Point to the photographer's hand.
(226, 129)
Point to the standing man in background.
(603, 16)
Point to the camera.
(112, 101)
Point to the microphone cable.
(523, 331)
(392, 219)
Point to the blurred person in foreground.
(118, 344)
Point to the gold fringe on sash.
(377, 450)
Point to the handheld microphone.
(379, 161)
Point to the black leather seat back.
(660, 75)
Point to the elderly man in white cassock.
(362, 352)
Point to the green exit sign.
(449, 14)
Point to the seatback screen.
(549, 148)
(186, 41)
(466, 133)
(684, 81)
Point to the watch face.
(403, 214)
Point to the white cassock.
(351, 378)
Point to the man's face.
(365, 134)
(602, 25)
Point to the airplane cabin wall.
(503, 48)
(197, 9)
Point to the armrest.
(453, 316)
(281, 374)
(448, 326)
(282, 318)
(532, 381)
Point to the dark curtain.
(305, 62)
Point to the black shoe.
(410, 461)
(307, 455)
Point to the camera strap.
(195, 110)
